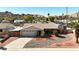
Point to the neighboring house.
(37, 29)
(18, 22)
(5, 27)
(5, 21)
(64, 21)
(75, 15)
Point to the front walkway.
(18, 43)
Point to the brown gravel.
(67, 44)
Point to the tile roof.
(6, 25)
(39, 26)
(42, 25)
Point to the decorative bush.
(55, 32)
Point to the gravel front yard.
(46, 42)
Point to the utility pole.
(66, 16)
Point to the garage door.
(29, 33)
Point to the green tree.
(60, 17)
(51, 18)
(42, 19)
(9, 18)
(29, 18)
(76, 25)
(1, 18)
(48, 16)
(23, 16)
(6, 12)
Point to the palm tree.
(48, 16)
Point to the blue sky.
(40, 10)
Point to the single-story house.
(18, 21)
(62, 21)
(36, 29)
(5, 27)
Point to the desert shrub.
(55, 32)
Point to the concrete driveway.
(18, 44)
